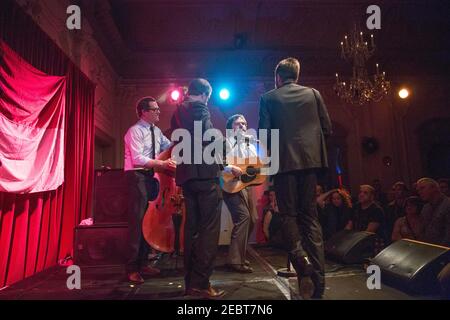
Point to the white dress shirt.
(138, 144)
(240, 150)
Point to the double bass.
(163, 223)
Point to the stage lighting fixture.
(175, 95)
(224, 94)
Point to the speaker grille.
(110, 197)
(100, 245)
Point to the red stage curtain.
(36, 230)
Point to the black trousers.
(203, 200)
(295, 192)
(139, 185)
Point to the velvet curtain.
(36, 229)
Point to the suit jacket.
(303, 122)
(184, 117)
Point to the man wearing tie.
(143, 142)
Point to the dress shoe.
(150, 271)
(303, 266)
(209, 293)
(247, 263)
(135, 277)
(304, 269)
(240, 268)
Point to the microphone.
(250, 139)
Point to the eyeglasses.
(154, 109)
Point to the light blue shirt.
(138, 144)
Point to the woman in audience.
(337, 212)
(272, 222)
(409, 226)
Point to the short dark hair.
(288, 69)
(199, 86)
(233, 118)
(143, 104)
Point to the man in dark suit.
(202, 194)
(301, 117)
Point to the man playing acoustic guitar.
(239, 203)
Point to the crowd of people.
(420, 212)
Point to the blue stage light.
(224, 94)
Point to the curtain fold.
(36, 229)
(32, 106)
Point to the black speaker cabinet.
(350, 247)
(412, 266)
(110, 196)
(100, 245)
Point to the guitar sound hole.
(246, 178)
(251, 171)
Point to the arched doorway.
(434, 144)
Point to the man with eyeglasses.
(143, 143)
(240, 203)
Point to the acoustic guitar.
(251, 174)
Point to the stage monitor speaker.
(350, 247)
(110, 196)
(100, 245)
(412, 266)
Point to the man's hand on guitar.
(236, 171)
(163, 165)
(169, 164)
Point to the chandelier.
(360, 90)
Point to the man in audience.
(395, 209)
(443, 186)
(435, 213)
(380, 196)
(436, 219)
(368, 216)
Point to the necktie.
(152, 131)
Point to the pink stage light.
(175, 95)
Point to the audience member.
(410, 225)
(380, 196)
(435, 213)
(436, 218)
(337, 212)
(443, 186)
(368, 216)
(395, 209)
(272, 222)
